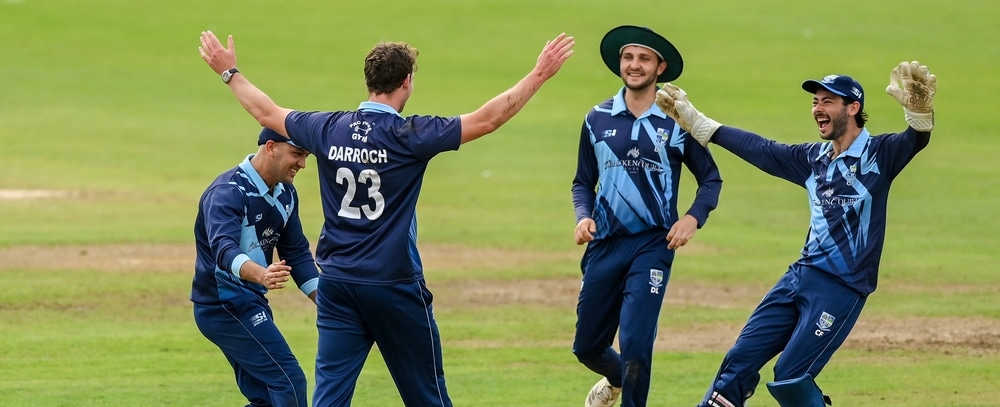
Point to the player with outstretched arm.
(811, 310)
(371, 164)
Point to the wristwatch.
(228, 75)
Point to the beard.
(838, 126)
(645, 84)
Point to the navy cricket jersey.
(847, 194)
(635, 165)
(371, 166)
(239, 220)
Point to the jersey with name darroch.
(371, 163)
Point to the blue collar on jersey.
(618, 106)
(259, 182)
(855, 150)
(378, 107)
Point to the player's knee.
(298, 380)
(290, 379)
(587, 356)
(297, 392)
(798, 392)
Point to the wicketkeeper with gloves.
(808, 314)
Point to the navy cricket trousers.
(400, 319)
(267, 372)
(624, 281)
(806, 316)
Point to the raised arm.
(674, 102)
(256, 102)
(504, 106)
(913, 86)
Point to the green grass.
(110, 99)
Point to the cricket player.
(243, 216)
(371, 165)
(625, 199)
(811, 310)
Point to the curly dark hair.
(387, 65)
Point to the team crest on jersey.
(655, 281)
(661, 139)
(609, 133)
(663, 135)
(851, 175)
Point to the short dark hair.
(387, 65)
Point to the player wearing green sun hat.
(625, 198)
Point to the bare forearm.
(259, 104)
(273, 277)
(252, 272)
(505, 105)
(222, 60)
(501, 108)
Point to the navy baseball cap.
(268, 134)
(841, 85)
(622, 36)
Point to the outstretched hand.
(674, 102)
(556, 51)
(219, 58)
(667, 99)
(914, 86)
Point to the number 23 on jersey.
(367, 178)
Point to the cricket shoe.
(603, 394)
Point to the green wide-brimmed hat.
(622, 36)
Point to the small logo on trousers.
(258, 318)
(655, 281)
(824, 324)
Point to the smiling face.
(284, 161)
(640, 66)
(832, 115)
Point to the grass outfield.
(106, 106)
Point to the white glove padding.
(674, 102)
(913, 86)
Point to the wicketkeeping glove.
(914, 86)
(674, 102)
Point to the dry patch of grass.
(945, 334)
